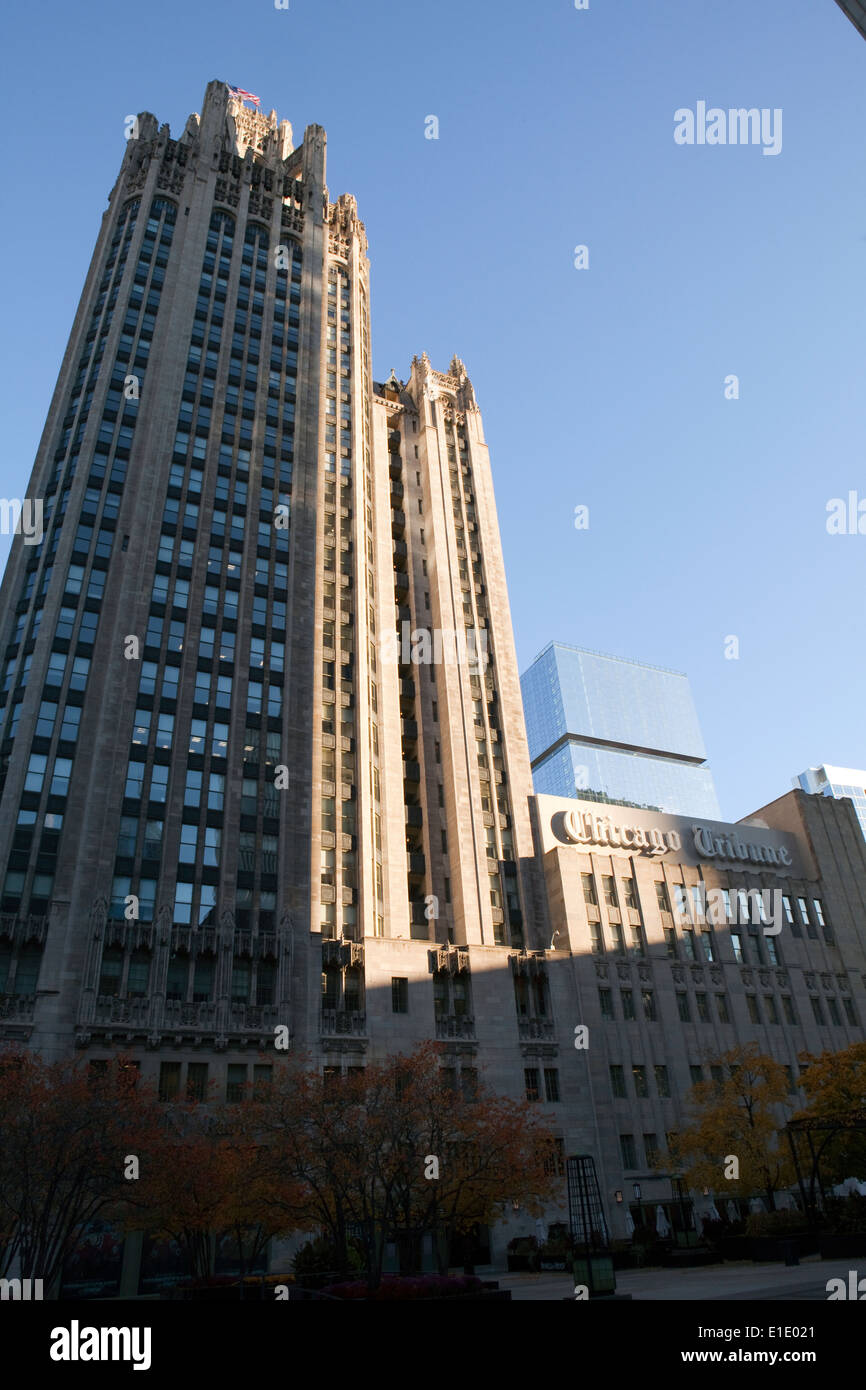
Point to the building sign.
(585, 828)
(606, 828)
(711, 846)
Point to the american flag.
(245, 96)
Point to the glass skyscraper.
(603, 728)
(838, 782)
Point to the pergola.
(818, 1130)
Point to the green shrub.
(847, 1215)
(319, 1256)
(775, 1223)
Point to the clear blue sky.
(601, 387)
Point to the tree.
(835, 1087)
(388, 1152)
(738, 1119)
(65, 1134)
(202, 1177)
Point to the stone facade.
(254, 772)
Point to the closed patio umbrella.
(662, 1225)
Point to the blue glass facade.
(604, 728)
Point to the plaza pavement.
(743, 1281)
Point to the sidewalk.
(745, 1281)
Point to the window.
(788, 1009)
(649, 1005)
(110, 972)
(138, 978)
(627, 1151)
(696, 1074)
(589, 890)
(158, 782)
(399, 995)
(789, 915)
(203, 979)
(196, 1081)
(683, 1009)
(651, 1149)
(608, 888)
(178, 977)
(850, 1012)
(627, 997)
(169, 1080)
(188, 842)
(754, 1011)
(722, 1008)
(183, 903)
(630, 893)
(818, 1010)
(605, 1000)
(641, 1087)
(530, 1078)
(737, 947)
(772, 950)
(262, 1078)
(662, 896)
(596, 938)
(35, 772)
(835, 1015)
(551, 1085)
(241, 978)
(689, 948)
(703, 1007)
(236, 1080)
(617, 1082)
(663, 1085)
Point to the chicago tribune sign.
(586, 828)
(589, 828)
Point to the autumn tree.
(835, 1087)
(389, 1151)
(738, 1118)
(202, 1176)
(66, 1133)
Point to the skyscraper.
(604, 728)
(231, 760)
(837, 782)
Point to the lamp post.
(678, 1191)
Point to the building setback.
(262, 742)
(839, 782)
